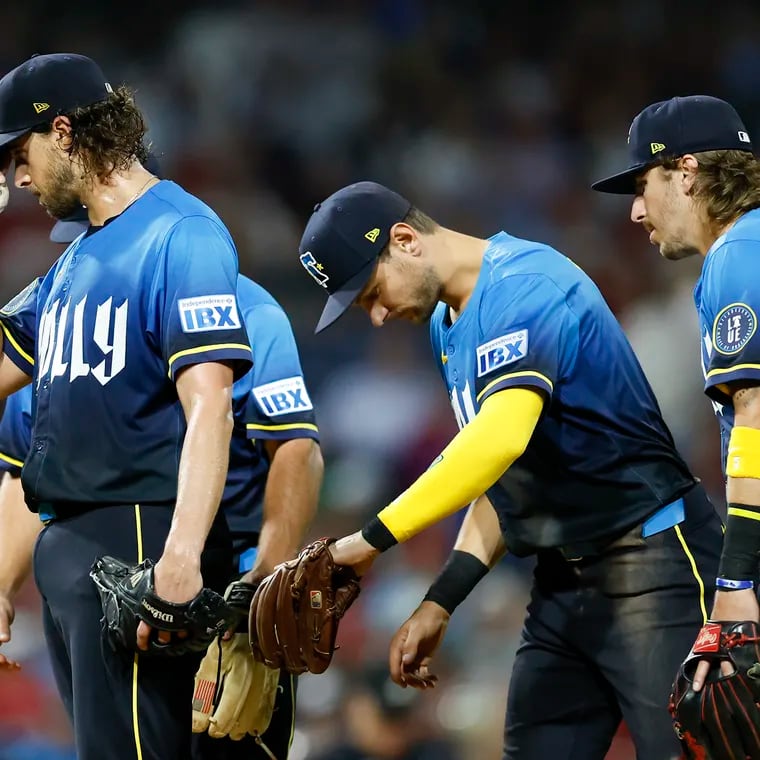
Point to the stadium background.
(489, 115)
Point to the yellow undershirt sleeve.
(474, 460)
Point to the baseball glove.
(127, 596)
(722, 720)
(296, 610)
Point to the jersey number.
(62, 341)
(463, 405)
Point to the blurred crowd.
(488, 116)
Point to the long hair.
(727, 183)
(107, 136)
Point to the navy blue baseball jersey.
(16, 431)
(270, 402)
(727, 296)
(601, 457)
(104, 334)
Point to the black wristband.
(741, 547)
(461, 573)
(376, 534)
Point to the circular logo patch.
(734, 326)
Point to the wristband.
(459, 576)
(741, 544)
(726, 584)
(377, 534)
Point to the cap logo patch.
(314, 268)
(372, 235)
(656, 147)
(40, 107)
(743, 137)
(109, 89)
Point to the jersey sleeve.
(733, 304)
(16, 431)
(198, 307)
(18, 321)
(528, 336)
(278, 405)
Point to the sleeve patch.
(502, 351)
(733, 328)
(283, 397)
(207, 313)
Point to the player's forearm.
(290, 501)
(480, 533)
(18, 531)
(202, 473)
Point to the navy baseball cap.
(672, 128)
(45, 86)
(343, 239)
(70, 228)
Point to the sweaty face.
(666, 211)
(401, 287)
(42, 168)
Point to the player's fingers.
(164, 637)
(7, 664)
(700, 674)
(395, 656)
(143, 635)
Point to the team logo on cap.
(314, 268)
(743, 137)
(656, 147)
(40, 107)
(372, 235)
(733, 328)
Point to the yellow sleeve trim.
(15, 345)
(743, 456)
(11, 460)
(292, 426)
(714, 372)
(474, 460)
(746, 513)
(202, 349)
(527, 373)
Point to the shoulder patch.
(733, 328)
(21, 299)
(206, 313)
(503, 350)
(283, 397)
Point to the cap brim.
(65, 232)
(622, 183)
(341, 300)
(9, 137)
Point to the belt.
(664, 518)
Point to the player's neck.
(107, 198)
(459, 266)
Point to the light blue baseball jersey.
(727, 297)
(104, 334)
(601, 457)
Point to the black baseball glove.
(128, 596)
(722, 720)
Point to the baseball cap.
(45, 86)
(672, 128)
(71, 227)
(345, 235)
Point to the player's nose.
(21, 178)
(638, 210)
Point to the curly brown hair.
(727, 183)
(107, 136)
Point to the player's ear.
(405, 239)
(61, 128)
(688, 168)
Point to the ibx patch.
(283, 396)
(501, 351)
(206, 313)
(733, 328)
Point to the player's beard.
(675, 250)
(60, 198)
(427, 294)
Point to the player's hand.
(7, 613)
(355, 552)
(729, 605)
(415, 643)
(176, 582)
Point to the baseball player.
(562, 452)
(133, 341)
(696, 188)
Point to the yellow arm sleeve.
(474, 460)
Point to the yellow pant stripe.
(695, 571)
(746, 513)
(135, 721)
